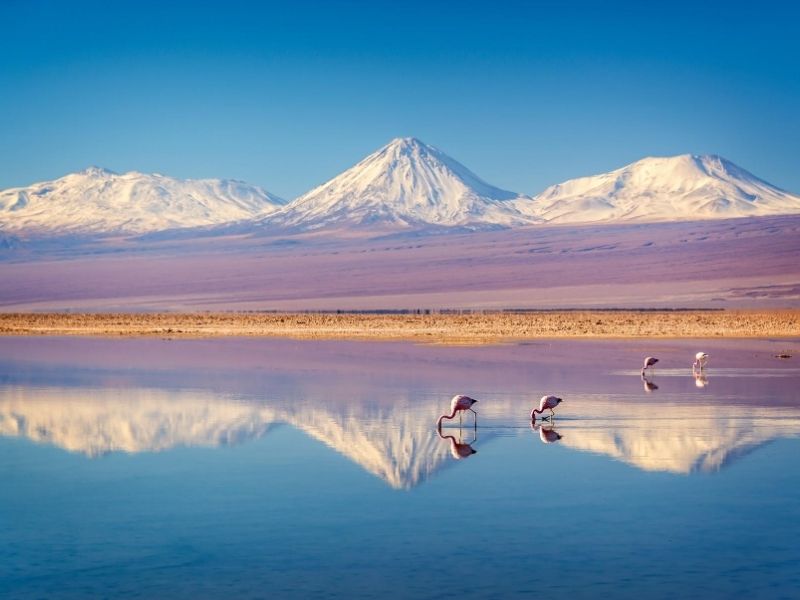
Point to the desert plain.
(434, 327)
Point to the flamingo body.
(649, 361)
(546, 403)
(459, 403)
(700, 360)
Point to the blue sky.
(286, 95)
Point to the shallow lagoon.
(277, 468)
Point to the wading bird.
(546, 403)
(649, 362)
(459, 404)
(700, 360)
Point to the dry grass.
(473, 328)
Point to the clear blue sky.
(286, 95)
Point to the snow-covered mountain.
(678, 188)
(403, 185)
(100, 201)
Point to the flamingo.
(459, 404)
(700, 360)
(546, 403)
(548, 435)
(458, 450)
(649, 361)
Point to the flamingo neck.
(534, 412)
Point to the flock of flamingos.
(461, 404)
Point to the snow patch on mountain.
(97, 200)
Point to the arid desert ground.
(739, 263)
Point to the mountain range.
(406, 185)
(99, 201)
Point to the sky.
(286, 95)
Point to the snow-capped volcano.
(404, 184)
(97, 201)
(679, 188)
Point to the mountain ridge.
(100, 201)
(404, 187)
(683, 187)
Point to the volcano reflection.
(394, 440)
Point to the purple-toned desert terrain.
(733, 263)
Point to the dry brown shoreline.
(473, 328)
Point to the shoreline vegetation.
(448, 327)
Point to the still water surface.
(281, 469)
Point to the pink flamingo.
(546, 403)
(700, 360)
(650, 361)
(458, 450)
(459, 404)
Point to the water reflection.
(97, 422)
(386, 424)
(700, 379)
(395, 443)
(547, 434)
(214, 468)
(398, 441)
(692, 438)
(459, 448)
(648, 384)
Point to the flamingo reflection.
(649, 386)
(459, 449)
(547, 434)
(700, 379)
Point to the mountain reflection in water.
(396, 441)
